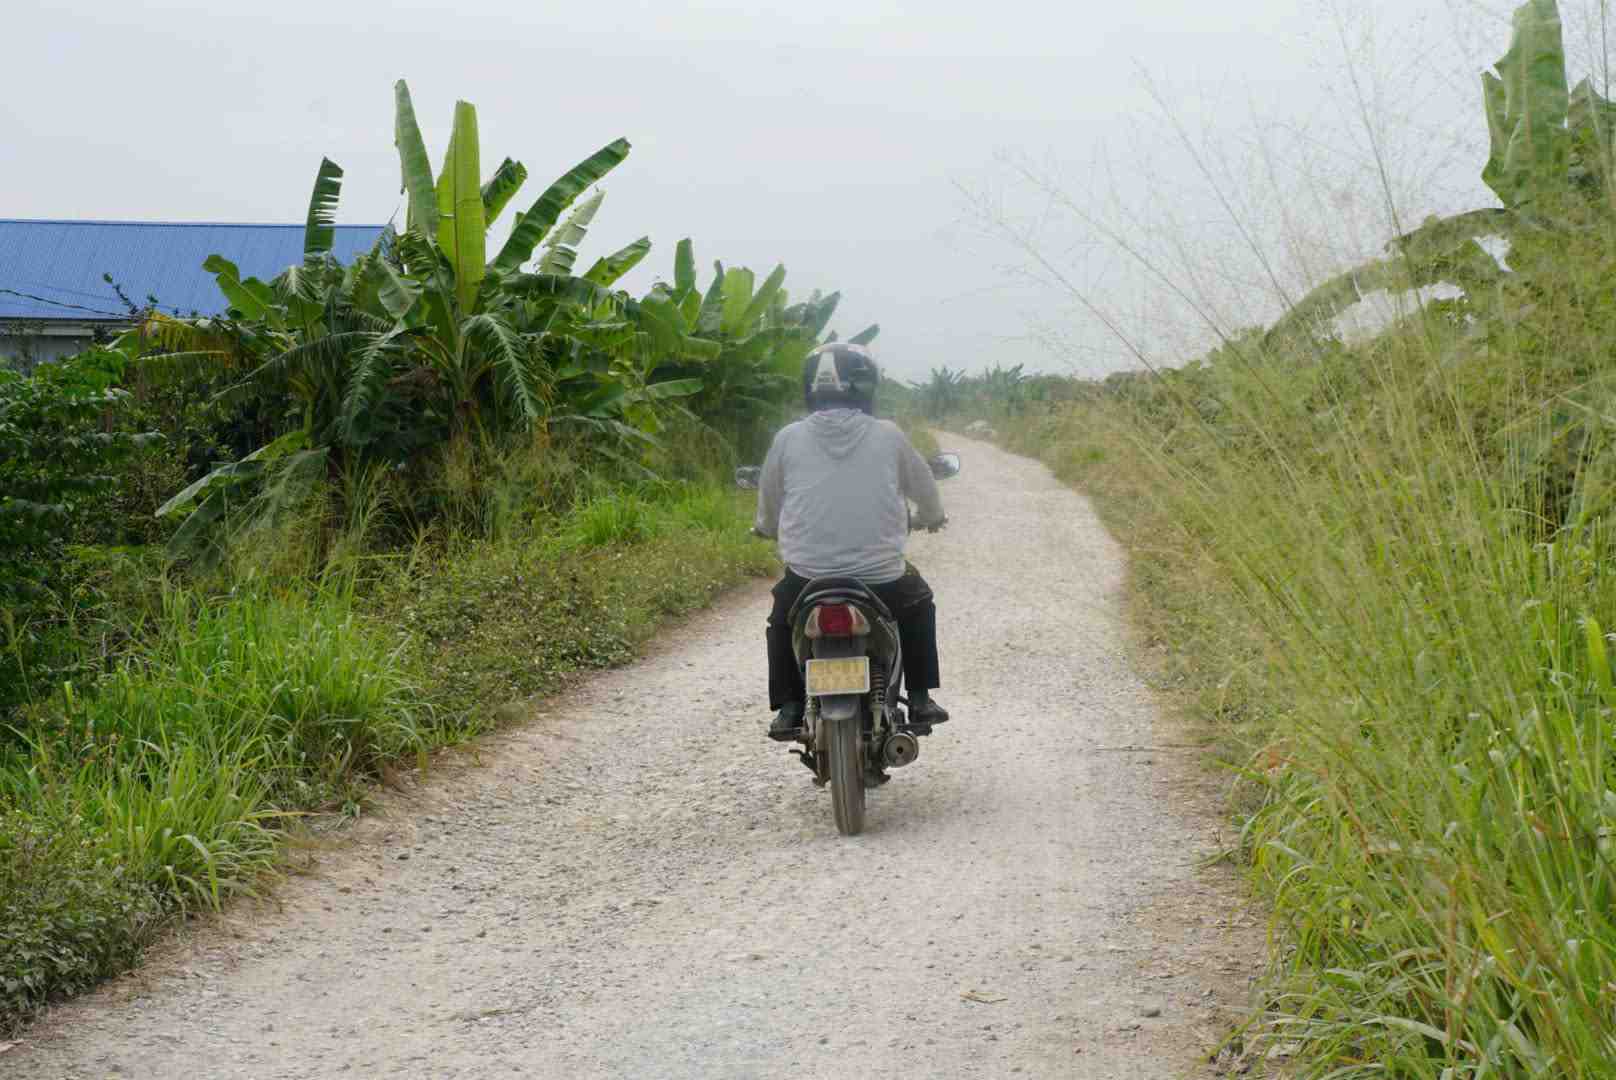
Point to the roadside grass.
(1383, 574)
(229, 708)
(492, 622)
(921, 436)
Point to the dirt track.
(637, 884)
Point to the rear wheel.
(847, 775)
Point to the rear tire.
(847, 775)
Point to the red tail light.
(836, 620)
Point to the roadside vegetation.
(254, 560)
(1380, 571)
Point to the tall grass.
(1386, 570)
(295, 679)
(157, 775)
(158, 788)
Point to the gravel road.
(634, 882)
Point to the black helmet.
(840, 376)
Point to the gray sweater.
(834, 490)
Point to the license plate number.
(841, 676)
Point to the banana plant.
(757, 340)
(425, 339)
(1527, 105)
(383, 355)
(1550, 156)
(1545, 142)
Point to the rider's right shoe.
(923, 710)
(787, 723)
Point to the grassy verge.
(495, 621)
(921, 436)
(167, 783)
(1383, 573)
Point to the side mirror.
(945, 465)
(747, 476)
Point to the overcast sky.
(860, 142)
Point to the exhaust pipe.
(900, 749)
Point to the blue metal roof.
(57, 266)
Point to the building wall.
(24, 346)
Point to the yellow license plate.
(842, 676)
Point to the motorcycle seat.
(829, 590)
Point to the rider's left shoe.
(787, 723)
(923, 710)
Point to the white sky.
(832, 135)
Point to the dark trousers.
(910, 601)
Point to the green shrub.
(59, 452)
(70, 913)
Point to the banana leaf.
(1440, 250)
(515, 366)
(561, 246)
(250, 299)
(395, 293)
(173, 368)
(817, 313)
(690, 308)
(548, 208)
(561, 287)
(287, 484)
(684, 269)
(302, 289)
(1527, 104)
(236, 471)
(763, 299)
(364, 388)
(668, 335)
(505, 183)
(866, 335)
(462, 230)
(414, 164)
(669, 389)
(711, 318)
(608, 270)
(602, 402)
(737, 299)
(320, 231)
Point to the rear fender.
(838, 707)
(835, 712)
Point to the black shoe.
(923, 710)
(787, 723)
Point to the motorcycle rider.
(833, 492)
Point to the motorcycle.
(855, 722)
